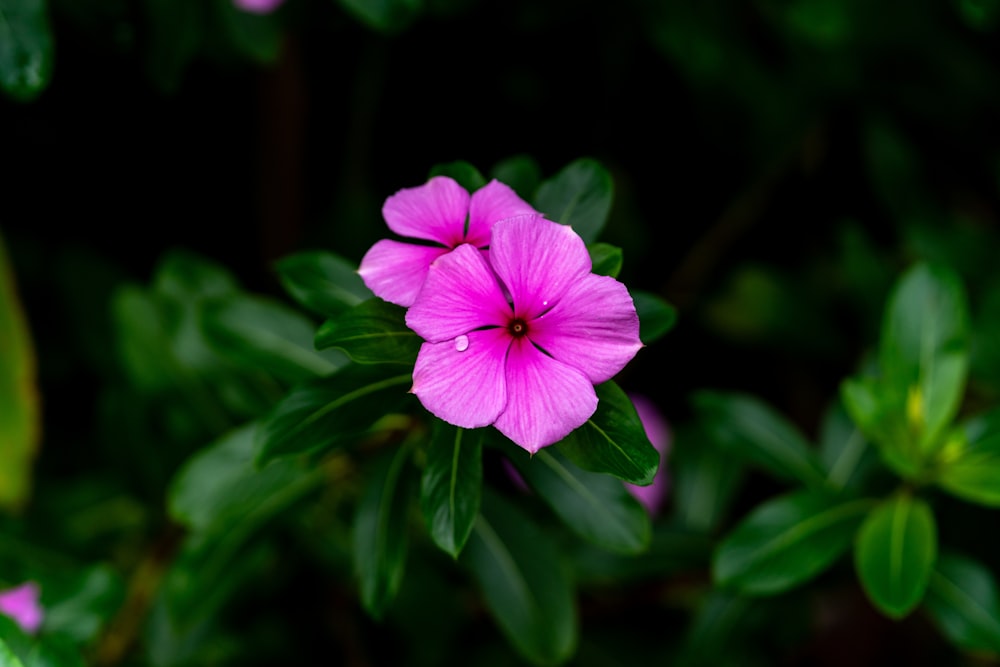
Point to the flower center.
(517, 327)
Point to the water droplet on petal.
(545, 303)
(462, 343)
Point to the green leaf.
(203, 576)
(969, 465)
(54, 652)
(166, 358)
(962, 598)
(84, 605)
(322, 282)
(606, 259)
(787, 541)
(330, 411)
(220, 485)
(462, 172)
(613, 441)
(923, 354)
(15, 644)
(20, 409)
(257, 36)
(895, 552)
(389, 16)
(521, 172)
(379, 539)
(580, 195)
(176, 33)
(372, 332)
(843, 450)
(750, 429)
(673, 548)
(7, 658)
(26, 48)
(656, 316)
(704, 479)
(18, 649)
(143, 347)
(596, 507)
(451, 486)
(163, 348)
(884, 426)
(523, 581)
(261, 333)
(184, 276)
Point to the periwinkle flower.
(21, 604)
(440, 212)
(258, 6)
(519, 341)
(654, 495)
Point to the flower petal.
(653, 496)
(490, 203)
(258, 6)
(22, 605)
(463, 381)
(459, 295)
(546, 399)
(593, 327)
(435, 211)
(396, 271)
(537, 260)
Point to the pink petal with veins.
(395, 271)
(463, 381)
(434, 211)
(593, 327)
(459, 295)
(546, 399)
(490, 203)
(538, 261)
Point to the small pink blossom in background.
(437, 212)
(527, 364)
(653, 496)
(258, 6)
(21, 604)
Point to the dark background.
(735, 133)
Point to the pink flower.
(258, 6)
(21, 604)
(653, 496)
(442, 212)
(526, 364)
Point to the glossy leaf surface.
(523, 582)
(380, 536)
(451, 485)
(580, 196)
(895, 553)
(322, 282)
(787, 541)
(331, 411)
(613, 441)
(370, 333)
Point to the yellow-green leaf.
(20, 426)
